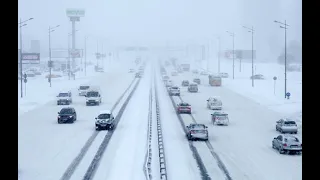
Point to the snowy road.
(46, 148)
(125, 154)
(245, 145)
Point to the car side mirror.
(207, 99)
(187, 126)
(96, 118)
(211, 114)
(274, 138)
(85, 95)
(206, 126)
(58, 112)
(112, 117)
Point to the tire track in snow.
(213, 153)
(195, 153)
(76, 161)
(96, 160)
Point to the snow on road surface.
(245, 145)
(125, 154)
(47, 148)
(180, 161)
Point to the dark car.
(67, 115)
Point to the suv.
(93, 97)
(197, 131)
(185, 83)
(214, 103)
(105, 120)
(83, 90)
(193, 87)
(174, 91)
(67, 115)
(287, 126)
(64, 98)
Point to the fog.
(163, 22)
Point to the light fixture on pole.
(284, 26)
(51, 29)
(232, 35)
(251, 30)
(21, 24)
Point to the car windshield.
(104, 116)
(92, 94)
(63, 94)
(66, 111)
(289, 123)
(184, 104)
(291, 139)
(174, 88)
(84, 87)
(193, 85)
(198, 126)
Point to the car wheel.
(97, 128)
(281, 151)
(58, 103)
(59, 122)
(273, 146)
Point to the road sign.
(30, 58)
(288, 94)
(25, 80)
(275, 78)
(74, 18)
(25, 76)
(75, 12)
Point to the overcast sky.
(157, 22)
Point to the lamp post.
(21, 24)
(219, 54)
(232, 35)
(284, 26)
(251, 31)
(85, 55)
(51, 29)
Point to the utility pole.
(219, 54)
(232, 35)
(284, 26)
(50, 62)
(85, 55)
(252, 54)
(21, 24)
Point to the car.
(105, 120)
(197, 80)
(220, 118)
(174, 91)
(286, 125)
(64, 97)
(174, 73)
(257, 76)
(169, 83)
(183, 107)
(67, 115)
(203, 73)
(215, 80)
(197, 131)
(195, 71)
(83, 90)
(193, 87)
(93, 97)
(138, 75)
(185, 83)
(30, 73)
(165, 78)
(224, 75)
(287, 144)
(214, 103)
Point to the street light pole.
(50, 62)
(251, 30)
(85, 55)
(20, 61)
(219, 55)
(285, 54)
(232, 35)
(69, 64)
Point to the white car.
(169, 83)
(220, 118)
(214, 103)
(174, 91)
(105, 120)
(287, 125)
(64, 98)
(83, 90)
(93, 97)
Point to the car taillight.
(192, 132)
(285, 145)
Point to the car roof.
(215, 97)
(193, 84)
(64, 92)
(197, 126)
(105, 112)
(67, 108)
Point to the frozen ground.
(39, 92)
(245, 145)
(263, 91)
(46, 148)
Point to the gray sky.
(159, 21)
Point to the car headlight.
(58, 116)
(70, 116)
